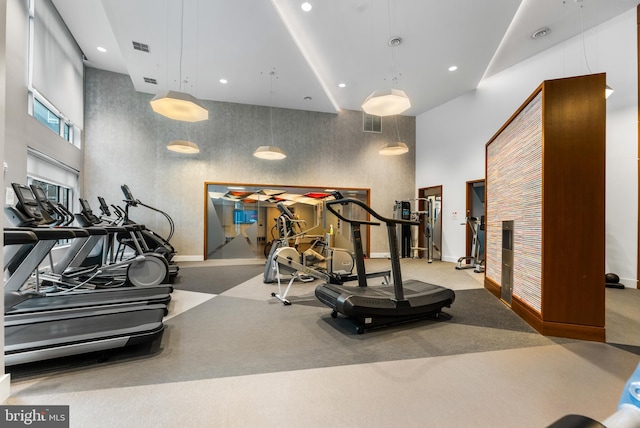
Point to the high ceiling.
(195, 43)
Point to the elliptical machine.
(152, 240)
(144, 240)
(476, 260)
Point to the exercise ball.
(611, 278)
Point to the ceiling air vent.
(150, 80)
(371, 123)
(140, 47)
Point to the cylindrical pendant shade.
(386, 102)
(270, 152)
(179, 106)
(182, 146)
(392, 149)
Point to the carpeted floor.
(226, 325)
(232, 336)
(215, 279)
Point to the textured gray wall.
(125, 142)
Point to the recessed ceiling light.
(453, 68)
(223, 81)
(342, 85)
(101, 49)
(306, 6)
(395, 41)
(538, 34)
(307, 98)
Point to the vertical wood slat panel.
(514, 192)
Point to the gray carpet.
(215, 279)
(308, 365)
(622, 321)
(228, 336)
(246, 331)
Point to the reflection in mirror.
(241, 220)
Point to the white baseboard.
(380, 255)
(5, 387)
(188, 258)
(387, 255)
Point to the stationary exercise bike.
(285, 259)
(476, 260)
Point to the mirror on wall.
(241, 218)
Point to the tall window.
(56, 73)
(59, 181)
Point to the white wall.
(451, 138)
(5, 385)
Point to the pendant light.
(392, 101)
(392, 149)
(180, 105)
(396, 148)
(270, 152)
(182, 146)
(386, 102)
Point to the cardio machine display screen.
(27, 195)
(40, 195)
(245, 216)
(127, 193)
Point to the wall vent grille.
(371, 123)
(140, 46)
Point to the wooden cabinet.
(545, 171)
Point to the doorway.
(430, 198)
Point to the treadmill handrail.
(345, 201)
(392, 237)
(15, 236)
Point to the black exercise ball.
(611, 278)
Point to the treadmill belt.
(419, 298)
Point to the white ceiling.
(338, 41)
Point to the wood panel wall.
(548, 175)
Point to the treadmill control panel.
(27, 203)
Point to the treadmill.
(380, 305)
(54, 331)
